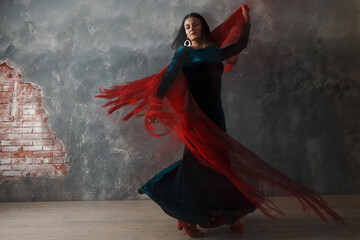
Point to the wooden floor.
(143, 219)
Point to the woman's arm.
(235, 48)
(178, 61)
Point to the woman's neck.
(197, 44)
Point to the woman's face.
(193, 28)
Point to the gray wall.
(293, 97)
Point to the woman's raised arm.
(235, 48)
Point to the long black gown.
(188, 190)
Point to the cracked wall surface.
(293, 96)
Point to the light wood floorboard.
(143, 219)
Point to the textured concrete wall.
(293, 97)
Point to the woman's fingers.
(245, 12)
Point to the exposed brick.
(48, 148)
(12, 173)
(8, 88)
(32, 136)
(10, 136)
(58, 147)
(29, 111)
(28, 106)
(21, 142)
(43, 142)
(19, 154)
(5, 161)
(5, 167)
(40, 129)
(22, 130)
(28, 147)
(19, 167)
(8, 124)
(42, 154)
(32, 124)
(59, 154)
(6, 94)
(58, 159)
(5, 142)
(32, 148)
(42, 160)
(23, 160)
(5, 130)
(10, 148)
(48, 135)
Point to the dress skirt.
(192, 192)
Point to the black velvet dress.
(188, 190)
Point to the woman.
(218, 181)
(206, 194)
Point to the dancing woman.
(218, 180)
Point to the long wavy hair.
(181, 36)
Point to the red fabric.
(179, 115)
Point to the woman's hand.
(245, 12)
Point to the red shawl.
(179, 115)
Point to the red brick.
(58, 147)
(4, 100)
(27, 106)
(32, 124)
(43, 142)
(8, 124)
(32, 148)
(23, 160)
(29, 111)
(10, 136)
(21, 142)
(5, 155)
(42, 154)
(20, 154)
(6, 94)
(20, 167)
(5, 167)
(5, 142)
(22, 130)
(42, 160)
(48, 135)
(12, 173)
(59, 154)
(58, 159)
(32, 136)
(11, 148)
(5, 161)
(40, 129)
(7, 88)
(5, 130)
(30, 118)
(4, 118)
(48, 148)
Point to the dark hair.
(181, 36)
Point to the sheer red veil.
(178, 114)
